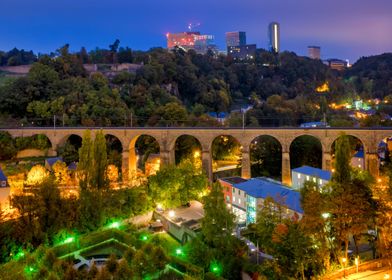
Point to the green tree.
(85, 166)
(7, 147)
(342, 160)
(100, 180)
(218, 221)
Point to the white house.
(305, 173)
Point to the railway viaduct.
(166, 137)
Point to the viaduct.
(166, 137)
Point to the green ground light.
(29, 270)
(115, 225)
(179, 252)
(144, 237)
(216, 268)
(69, 240)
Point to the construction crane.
(192, 25)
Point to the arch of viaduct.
(166, 137)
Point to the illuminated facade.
(244, 52)
(236, 38)
(191, 41)
(314, 52)
(274, 37)
(303, 174)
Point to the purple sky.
(343, 28)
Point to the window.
(239, 192)
(321, 182)
(233, 190)
(233, 198)
(314, 179)
(307, 178)
(299, 176)
(227, 198)
(239, 201)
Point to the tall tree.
(100, 180)
(342, 160)
(86, 156)
(218, 221)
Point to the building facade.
(358, 161)
(245, 52)
(274, 37)
(314, 52)
(235, 39)
(191, 41)
(249, 196)
(303, 174)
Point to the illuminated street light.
(344, 260)
(196, 154)
(172, 214)
(357, 262)
(325, 215)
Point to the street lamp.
(357, 262)
(344, 260)
(172, 214)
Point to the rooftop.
(359, 154)
(312, 171)
(264, 188)
(52, 161)
(233, 180)
(2, 176)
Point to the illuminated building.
(314, 52)
(304, 174)
(244, 52)
(336, 64)
(246, 198)
(274, 37)
(235, 39)
(357, 160)
(191, 41)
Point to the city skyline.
(357, 29)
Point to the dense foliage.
(178, 88)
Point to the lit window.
(233, 198)
(307, 178)
(359, 166)
(239, 201)
(321, 182)
(314, 179)
(299, 176)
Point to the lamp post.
(357, 262)
(344, 260)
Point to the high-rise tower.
(314, 52)
(235, 39)
(274, 36)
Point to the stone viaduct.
(166, 137)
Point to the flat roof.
(263, 188)
(233, 180)
(312, 171)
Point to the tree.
(37, 175)
(61, 173)
(7, 147)
(86, 156)
(99, 174)
(342, 160)
(218, 221)
(112, 173)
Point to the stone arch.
(35, 144)
(226, 154)
(135, 151)
(187, 146)
(311, 154)
(266, 156)
(114, 148)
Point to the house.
(255, 192)
(3, 179)
(220, 117)
(235, 198)
(49, 162)
(358, 160)
(305, 173)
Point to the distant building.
(274, 37)
(235, 39)
(313, 124)
(191, 41)
(303, 174)
(3, 179)
(314, 52)
(246, 197)
(336, 64)
(358, 160)
(220, 117)
(245, 52)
